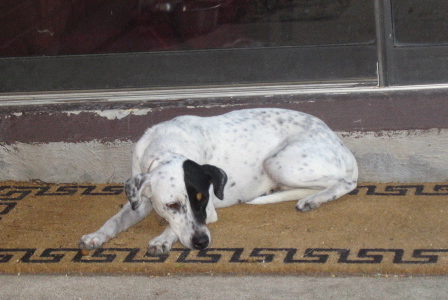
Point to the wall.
(397, 135)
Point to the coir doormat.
(377, 229)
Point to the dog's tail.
(295, 194)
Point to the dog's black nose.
(200, 241)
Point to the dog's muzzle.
(200, 241)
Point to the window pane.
(64, 27)
(420, 21)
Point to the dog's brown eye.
(174, 205)
(199, 196)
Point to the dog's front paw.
(93, 240)
(306, 205)
(158, 247)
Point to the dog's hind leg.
(309, 199)
(313, 173)
(335, 190)
(281, 196)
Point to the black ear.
(218, 178)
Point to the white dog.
(186, 167)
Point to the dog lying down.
(187, 167)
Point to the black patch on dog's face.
(197, 183)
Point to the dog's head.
(179, 191)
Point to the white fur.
(269, 155)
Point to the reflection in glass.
(64, 27)
(420, 21)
